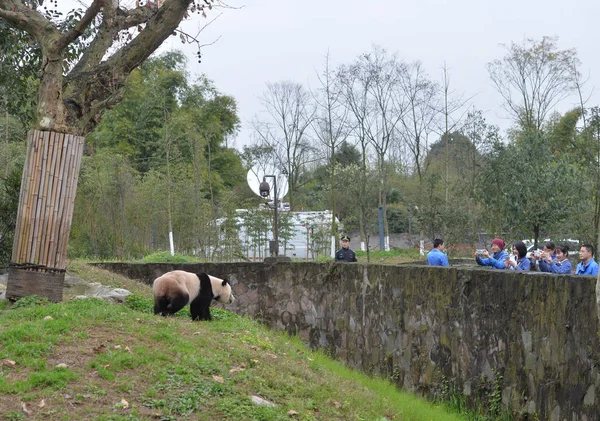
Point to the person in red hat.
(496, 259)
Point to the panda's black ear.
(205, 285)
(225, 282)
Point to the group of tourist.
(551, 259)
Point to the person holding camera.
(496, 260)
(537, 256)
(559, 264)
(522, 263)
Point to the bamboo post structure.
(48, 187)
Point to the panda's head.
(221, 290)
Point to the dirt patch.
(90, 395)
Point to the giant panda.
(176, 289)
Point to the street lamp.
(265, 189)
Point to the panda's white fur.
(176, 289)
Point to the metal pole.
(275, 214)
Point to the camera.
(537, 253)
(481, 252)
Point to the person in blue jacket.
(523, 262)
(559, 264)
(588, 265)
(436, 256)
(496, 260)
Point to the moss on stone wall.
(419, 325)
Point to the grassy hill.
(90, 360)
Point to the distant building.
(302, 235)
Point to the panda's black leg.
(199, 308)
(206, 315)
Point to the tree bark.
(48, 188)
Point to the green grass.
(165, 257)
(87, 359)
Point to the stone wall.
(419, 325)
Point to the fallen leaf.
(292, 413)
(100, 348)
(124, 403)
(218, 379)
(127, 349)
(117, 346)
(105, 365)
(254, 347)
(8, 363)
(272, 356)
(61, 365)
(25, 409)
(42, 403)
(337, 404)
(48, 318)
(238, 368)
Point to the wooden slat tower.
(48, 187)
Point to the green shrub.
(165, 257)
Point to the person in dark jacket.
(345, 254)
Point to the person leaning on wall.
(496, 259)
(587, 264)
(536, 256)
(558, 264)
(523, 262)
(345, 254)
(436, 256)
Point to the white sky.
(276, 40)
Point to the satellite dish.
(255, 177)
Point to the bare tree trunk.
(48, 188)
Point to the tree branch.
(26, 19)
(85, 21)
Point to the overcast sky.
(277, 40)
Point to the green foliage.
(165, 257)
(160, 160)
(138, 303)
(9, 203)
(528, 189)
(30, 301)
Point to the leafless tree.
(291, 112)
(423, 105)
(373, 94)
(331, 125)
(450, 105)
(355, 89)
(533, 77)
